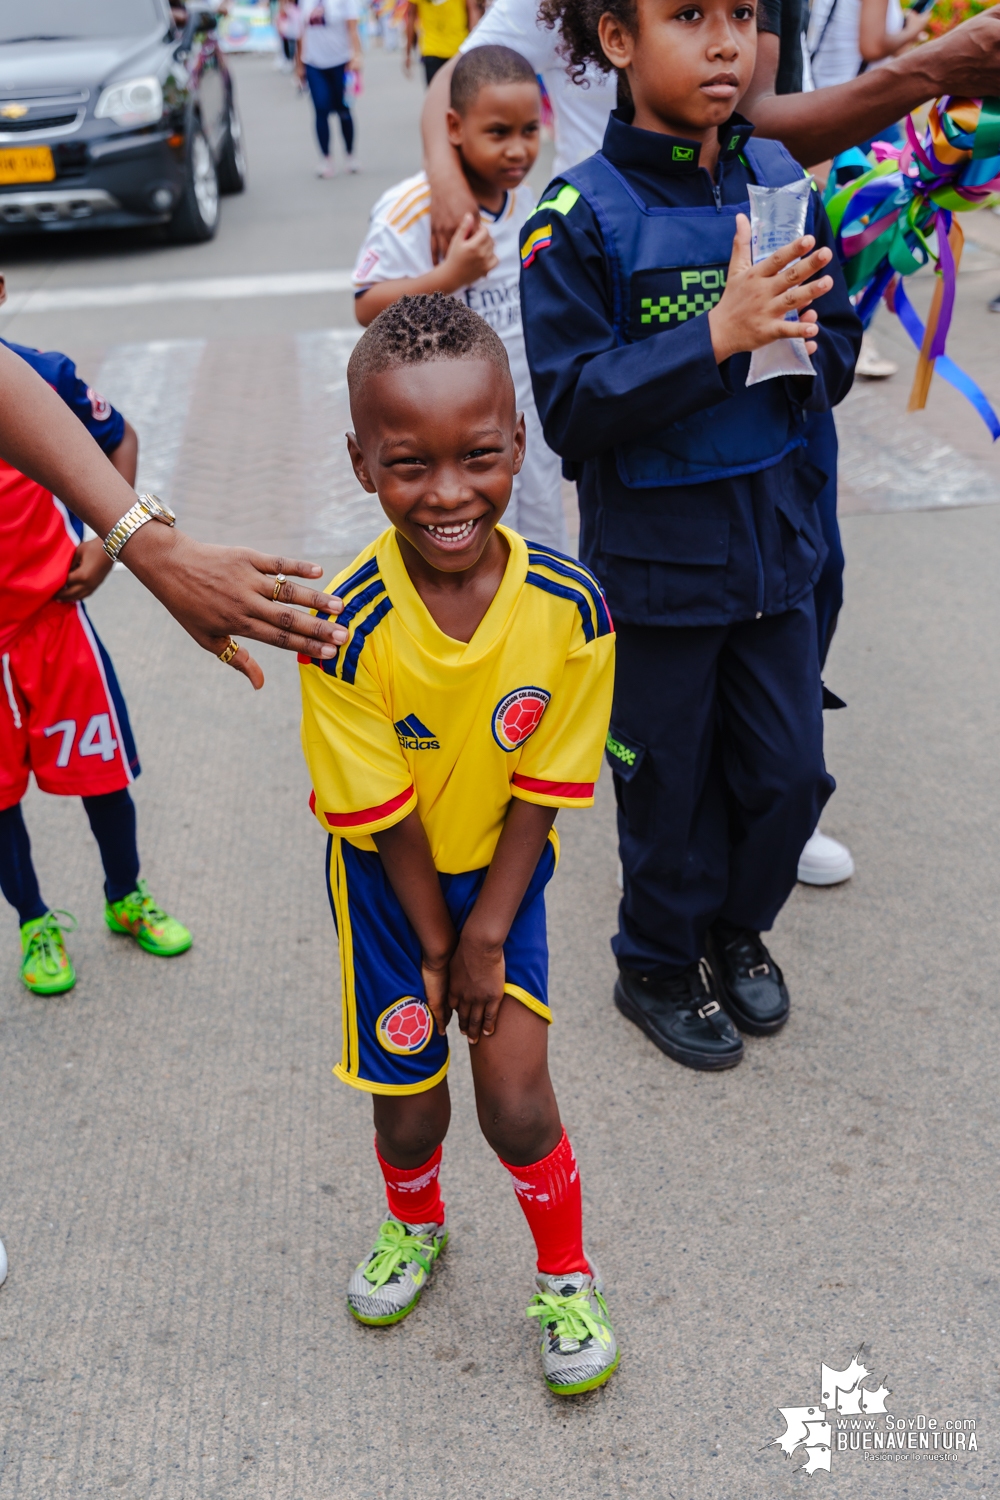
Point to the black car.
(114, 113)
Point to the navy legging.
(326, 85)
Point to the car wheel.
(197, 214)
(232, 160)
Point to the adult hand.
(966, 61)
(470, 255)
(88, 570)
(218, 592)
(451, 204)
(214, 592)
(753, 308)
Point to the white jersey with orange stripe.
(398, 245)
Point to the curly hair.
(419, 329)
(577, 21)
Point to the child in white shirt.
(494, 123)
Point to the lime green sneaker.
(579, 1348)
(46, 968)
(386, 1286)
(138, 916)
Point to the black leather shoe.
(682, 1016)
(749, 982)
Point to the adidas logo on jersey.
(413, 735)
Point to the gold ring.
(226, 656)
(277, 586)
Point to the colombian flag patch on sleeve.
(537, 240)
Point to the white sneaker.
(873, 365)
(352, 164)
(327, 170)
(3, 1264)
(825, 862)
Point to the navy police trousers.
(716, 744)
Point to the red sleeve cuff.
(581, 790)
(367, 815)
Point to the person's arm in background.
(817, 125)
(357, 56)
(451, 196)
(474, 10)
(874, 42)
(214, 592)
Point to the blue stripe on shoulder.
(354, 606)
(366, 571)
(352, 655)
(582, 601)
(568, 567)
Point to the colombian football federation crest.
(517, 716)
(405, 1027)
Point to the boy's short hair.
(419, 329)
(485, 65)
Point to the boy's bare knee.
(521, 1129)
(410, 1127)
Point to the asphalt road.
(184, 1188)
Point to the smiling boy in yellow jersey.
(469, 704)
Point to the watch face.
(162, 512)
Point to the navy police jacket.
(696, 492)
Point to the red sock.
(414, 1196)
(549, 1193)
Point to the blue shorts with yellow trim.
(390, 1042)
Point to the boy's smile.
(440, 443)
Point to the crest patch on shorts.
(406, 1026)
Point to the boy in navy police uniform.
(641, 308)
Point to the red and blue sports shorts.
(62, 714)
(391, 1045)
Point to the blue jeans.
(326, 85)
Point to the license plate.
(27, 164)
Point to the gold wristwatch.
(146, 508)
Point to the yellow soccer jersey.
(406, 717)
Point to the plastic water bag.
(778, 216)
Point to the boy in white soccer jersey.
(470, 703)
(494, 124)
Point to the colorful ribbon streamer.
(892, 212)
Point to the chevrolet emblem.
(13, 111)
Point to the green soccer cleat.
(386, 1286)
(138, 916)
(579, 1349)
(46, 968)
